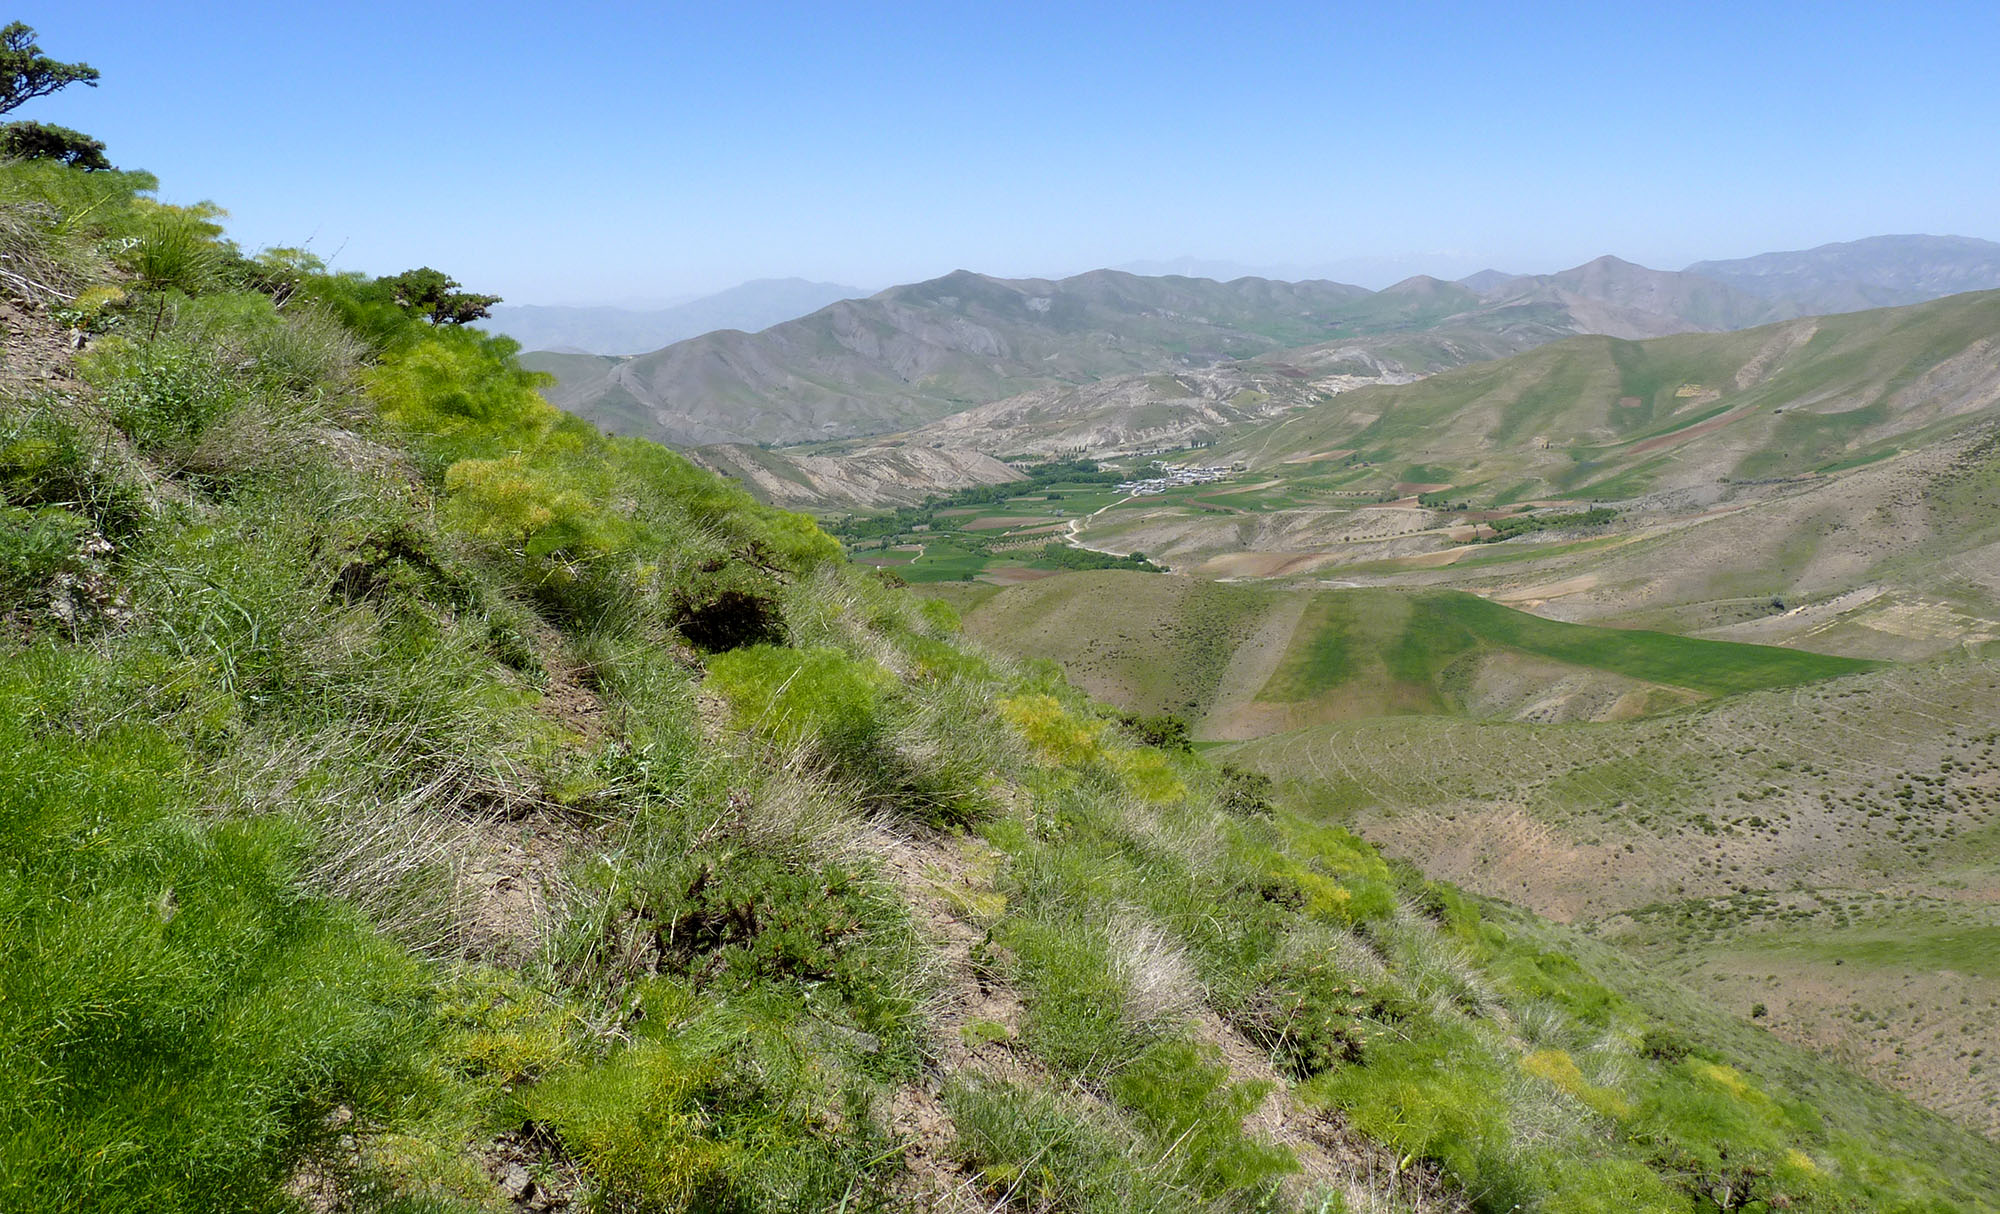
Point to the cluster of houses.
(1174, 475)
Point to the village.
(1175, 475)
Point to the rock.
(516, 1183)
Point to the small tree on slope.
(26, 73)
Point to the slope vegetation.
(1824, 852)
(414, 799)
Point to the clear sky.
(584, 152)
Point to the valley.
(1681, 641)
(530, 733)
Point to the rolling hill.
(1828, 480)
(1246, 660)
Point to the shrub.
(1165, 730)
(819, 697)
(163, 393)
(36, 546)
(718, 1114)
(48, 459)
(1316, 1016)
(47, 141)
(1431, 1095)
(1054, 735)
(738, 918)
(1243, 793)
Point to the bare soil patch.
(1694, 431)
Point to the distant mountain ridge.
(1881, 271)
(918, 354)
(1617, 298)
(915, 353)
(750, 306)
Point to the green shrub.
(1434, 1095)
(818, 697)
(1315, 1016)
(736, 919)
(48, 459)
(720, 1113)
(38, 545)
(162, 393)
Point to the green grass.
(417, 779)
(1859, 461)
(176, 1021)
(1418, 635)
(1902, 942)
(1411, 639)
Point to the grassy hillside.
(414, 799)
(1824, 852)
(1793, 397)
(1244, 659)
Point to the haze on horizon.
(630, 155)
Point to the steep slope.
(871, 478)
(411, 798)
(1853, 275)
(749, 306)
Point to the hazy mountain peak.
(1487, 280)
(1418, 285)
(749, 306)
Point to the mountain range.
(962, 360)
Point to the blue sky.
(625, 153)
